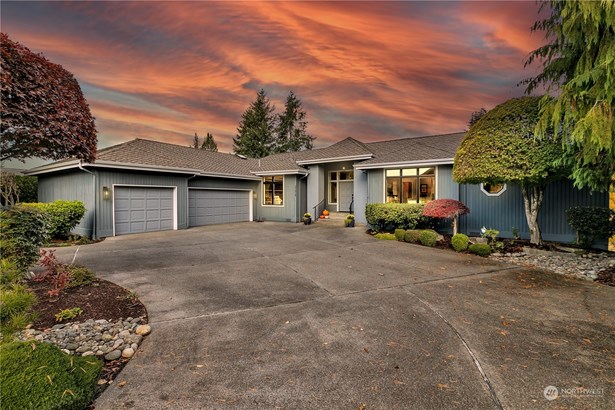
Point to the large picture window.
(410, 185)
(273, 190)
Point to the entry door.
(344, 199)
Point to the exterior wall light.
(106, 193)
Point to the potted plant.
(307, 218)
(349, 221)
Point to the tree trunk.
(532, 199)
(454, 225)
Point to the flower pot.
(307, 221)
(349, 223)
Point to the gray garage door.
(213, 206)
(143, 209)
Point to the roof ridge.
(417, 137)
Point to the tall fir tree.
(195, 142)
(291, 128)
(256, 132)
(209, 144)
(578, 67)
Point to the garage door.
(140, 209)
(210, 207)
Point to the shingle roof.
(428, 148)
(163, 155)
(160, 154)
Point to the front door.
(344, 199)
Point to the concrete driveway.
(274, 315)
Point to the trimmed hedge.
(62, 216)
(388, 217)
(386, 236)
(428, 238)
(23, 230)
(399, 234)
(591, 223)
(480, 249)
(40, 376)
(412, 236)
(460, 242)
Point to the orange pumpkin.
(321, 217)
(325, 212)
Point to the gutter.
(442, 161)
(95, 191)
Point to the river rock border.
(101, 338)
(585, 266)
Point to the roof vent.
(241, 156)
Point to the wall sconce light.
(254, 195)
(344, 167)
(106, 193)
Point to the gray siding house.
(144, 186)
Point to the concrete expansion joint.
(475, 360)
(489, 272)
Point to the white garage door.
(141, 209)
(217, 206)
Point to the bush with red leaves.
(446, 208)
(44, 113)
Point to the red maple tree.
(446, 208)
(44, 113)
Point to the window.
(273, 190)
(334, 177)
(410, 185)
(492, 189)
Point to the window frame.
(500, 192)
(272, 181)
(416, 177)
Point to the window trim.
(500, 192)
(418, 177)
(283, 191)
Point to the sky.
(367, 70)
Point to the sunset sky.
(369, 70)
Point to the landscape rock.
(143, 330)
(128, 352)
(114, 355)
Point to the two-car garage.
(139, 209)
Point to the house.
(143, 185)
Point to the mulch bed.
(607, 276)
(100, 299)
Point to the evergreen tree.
(255, 134)
(209, 144)
(578, 66)
(195, 142)
(476, 115)
(291, 129)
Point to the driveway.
(280, 315)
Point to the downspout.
(94, 236)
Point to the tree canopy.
(255, 134)
(44, 113)
(501, 147)
(209, 143)
(578, 67)
(291, 128)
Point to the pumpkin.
(321, 217)
(325, 212)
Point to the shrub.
(387, 217)
(446, 209)
(9, 272)
(79, 276)
(62, 216)
(412, 236)
(460, 242)
(399, 234)
(385, 236)
(22, 232)
(40, 376)
(481, 249)
(591, 223)
(68, 314)
(428, 238)
(56, 273)
(16, 303)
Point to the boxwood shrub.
(399, 234)
(23, 231)
(388, 217)
(481, 249)
(62, 216)
(591, 223)
(428, 238)
(412, 236)
(40, 376)
(460, 242)
(385, 236)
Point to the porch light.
(106, 193)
